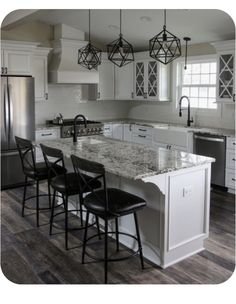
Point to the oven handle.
(209, 138)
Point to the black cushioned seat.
(119, 202)
(69, 183)
(41, 171)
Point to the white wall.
(65, 99)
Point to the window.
(198, 82)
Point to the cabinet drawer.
(230, 159)
(143, 130)
(231, 143)
(47, 134)
(230, 178)
(142, 139)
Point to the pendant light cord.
(89, 26)
(120, 22)
(164, 18)
(186, 54)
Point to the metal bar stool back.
(108, 204)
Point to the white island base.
(175, 221)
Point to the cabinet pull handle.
(5, 70)
(234, 97)
(143, 130)
(46, 134)
(46, 96)
(132, 95)
(233, 159)
(143, 136)
(233, 179)
(2, 70)
(234, 144)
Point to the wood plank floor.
(30, 256)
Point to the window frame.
(178, 83)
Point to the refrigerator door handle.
(6, 111)
(10, 112)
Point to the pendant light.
(164, 47)
(186, 39)
(89, 56)
(120, 51)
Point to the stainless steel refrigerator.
(17, 119)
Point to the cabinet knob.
(46, 96)
(5, 70)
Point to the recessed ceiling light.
(113, 27)
(145, 18)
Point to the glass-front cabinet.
(151, 81)
(226, 77)
(226, 71)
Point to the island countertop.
(126, 159)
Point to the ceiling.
(138, 26)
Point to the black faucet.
(180, 110)
(85, 125)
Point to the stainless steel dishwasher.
(213, 146)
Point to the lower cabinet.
(230, 179)
(42, 135)
(117, 131)
(128, 131)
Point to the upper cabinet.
(26, 58)
(151, 80)
(40, 73)
(106, 80)
(16, 57)
(124, 82)
(225, 71)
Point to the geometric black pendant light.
(164, 47)
(186, 39)
(120, 51)
(89, 56)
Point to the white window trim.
(176, 88)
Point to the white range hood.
(63, 65)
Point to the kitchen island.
(176, 186)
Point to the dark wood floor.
(30, 256)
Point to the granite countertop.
(126, 159)
(174, 126)
(45, 127)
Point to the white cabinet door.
(46, 134)
(106, 80)
(39, 69)
(124, 82)
(117, 131)
(128, 131)
(17, 62)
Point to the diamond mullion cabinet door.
(140, 80)
(40, 73)
(225, 83)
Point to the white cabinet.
(117, 131)
(106, 80)
(40, 73)
(142, 135)
(42, 135)
(225, 71)
(124, 82)
(128, 131)
(16, 57)
(151, 80)
(107, 130)
(175, 140)
(230, 179)
(16, 62)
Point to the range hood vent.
(64, 67)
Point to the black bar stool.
(107, 203)
(34, 171)
(67, 184)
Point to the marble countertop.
(126, 159)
